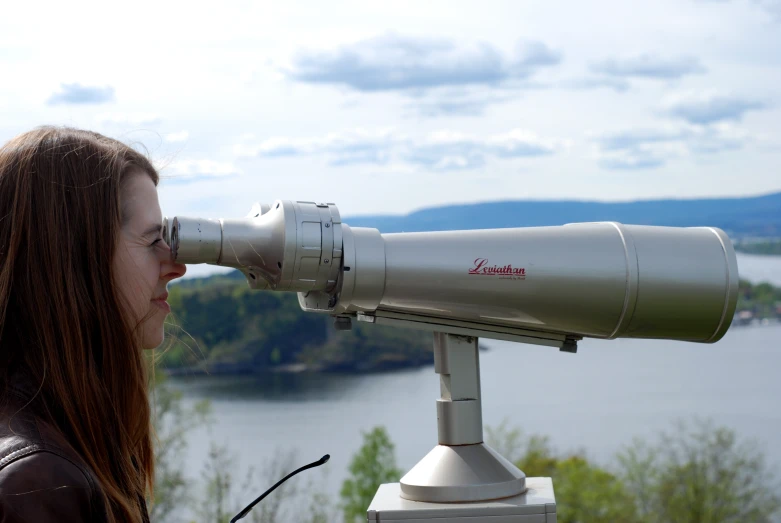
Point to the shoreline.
(235, 369)
(292, 368)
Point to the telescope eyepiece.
(290, 246)
(165, 232)
(174, 240)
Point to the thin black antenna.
(317, 463)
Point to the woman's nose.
(169, 269)
(172, 270)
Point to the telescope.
(548, 286)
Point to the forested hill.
(225, 327)
(739, 217)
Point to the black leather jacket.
(42, 479)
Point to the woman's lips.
(160, 302)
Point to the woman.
(83, 275)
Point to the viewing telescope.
(601, 280)
(541, 285)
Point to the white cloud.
(441, 150)
(180, 136)
(773, 7)
(443, 76)
(129, 119)
(651, 147)
(77, 94)
(707, 107)
(354, 146)
(597, 82)
(649, 66)
(632, 159)
(521, 142)
(201, 168)
(463, 101)
(399, 62)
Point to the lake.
(596, 400)
(757, 268)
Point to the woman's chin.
(152, 338)
(153, 329)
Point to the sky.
(389, 107)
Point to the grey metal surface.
(289, 246)
(459, 411)
(196, 240)
(584, 279)
(459, 473)
(461, 468)
(465, 328)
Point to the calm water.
(757, 268)
(597, 400)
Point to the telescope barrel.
(603, 280)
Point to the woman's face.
(142, 263)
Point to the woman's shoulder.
(45, 487)
(41, 476)
(23, 431)
(21, 423)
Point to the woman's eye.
(154, 243)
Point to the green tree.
(321, 508)
(228, 327)
(221, 500)
(585, 493)
(763, 299)
(373, 465)
(768, 247)
(699, 473)
(171, 421)
(274, 508)
(215, 506)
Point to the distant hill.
(758, 216)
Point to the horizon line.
(605, 202)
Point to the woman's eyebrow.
(154, 229)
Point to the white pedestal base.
(536, 505)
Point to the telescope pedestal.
(462, 479)
(461, 468)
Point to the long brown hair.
(61, 315)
